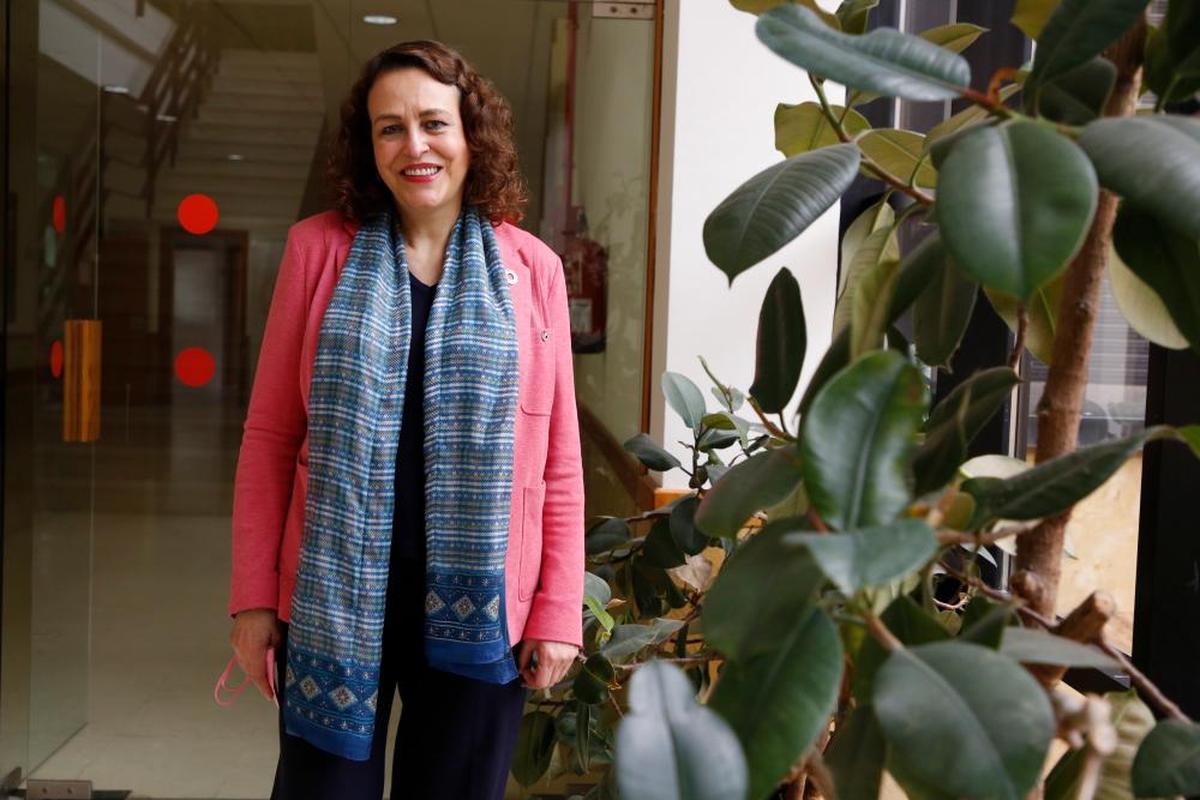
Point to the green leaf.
(910, 625)
(855, 756)
(1168, 263)
(1079, 96)
(725, 420)
(751, 485)
(857, 439)
(964, 719)
(1014, 204)
(598, 611)
(870, 556)
(683, 527)
(1078, 31)
(1133, 721)
(884, 61)
(535, 745)
(782, 338)
(1043, 316)
(660, 549)
(1057, 484)
(902, 153)
(1141, 306)
(1152, 161)
(1036, 646)
(878, 216)
(941, 314)
(650, 453)
(917, 270)
(955, 37)
(592, 682)
(962, 120)
(869, 296)
(629, 639)
(879, 246)
(685, 397)
(777, 205)
(1168, 762)
(609, 533)
(759, 6)
(852, 14)
(759, 593)
(1173, 53)
(956, 421)
(1031, 15)
(597, 587)
(984, 622)
(669, 747)
(802, 128)
(779, 701)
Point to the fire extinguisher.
(585, 265)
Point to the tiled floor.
(158, 545)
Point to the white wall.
(720, 89)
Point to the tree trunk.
(1041, 550)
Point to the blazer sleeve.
(272, 435)
(556, 612)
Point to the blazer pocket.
(537, 395)
(530, 567)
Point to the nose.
(415, 145)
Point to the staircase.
(249, 146)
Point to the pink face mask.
(234, 691)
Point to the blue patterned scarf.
(335, 636)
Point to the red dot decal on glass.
(197, 213)
(58, 214)
(195, 366)
(56, 358)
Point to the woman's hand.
(255, 630)
(553, 661)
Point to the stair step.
(246, 169)
(282, 58)
(224, 84)
(261, 118)
(270, 69)
(237, 135)
(238, 101)
(192, 150)
(173, 188)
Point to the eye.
(436, 122)
(388, 129)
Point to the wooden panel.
(81, 380)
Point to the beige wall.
(614, 73)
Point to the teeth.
(422, 171)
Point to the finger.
(524, 653)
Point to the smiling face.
(420, 146)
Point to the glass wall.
(158, 151)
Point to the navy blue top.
(408, 525)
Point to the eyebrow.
(429, 112)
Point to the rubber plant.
(825, 653)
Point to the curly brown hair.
(494, 181)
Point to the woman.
(408, 508)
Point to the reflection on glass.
(159, 151)
(1102, 533)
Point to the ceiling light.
(165, 118)
(115, 89)
(235, 157)
(379, 19)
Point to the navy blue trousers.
(456, 735)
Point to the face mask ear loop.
(234, 691)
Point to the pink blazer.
(544, 566)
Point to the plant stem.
(770, 426)
(868, 163)
(1060, 409)
(881, 633)
(1014, 358)
(1143, 684)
